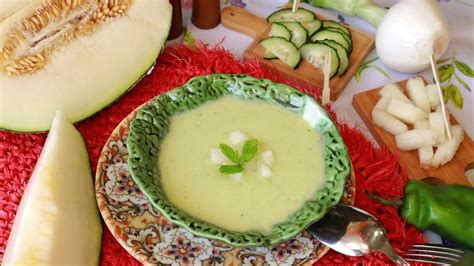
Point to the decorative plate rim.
(151, 124)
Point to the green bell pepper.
(447, 210)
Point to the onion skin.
(409, 33)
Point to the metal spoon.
(354, 232)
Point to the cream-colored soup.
(195, 185)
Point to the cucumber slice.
(287, 15)
(286, 51)
(312, 26)
(315, 54)
(277, 30)
(334, 24)
(342, 54)
(327, 34)
(299, 35)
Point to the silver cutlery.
(354, 232)
(434, 254)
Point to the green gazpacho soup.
(252, 202)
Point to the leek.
(364, 9)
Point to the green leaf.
(359, 72)
(382, 71)
(445, 72)
(456, 96)
(446, 93)
(231, 169)
(230, 153)
(249, 150)
(371, 60)
(462, 82)
(464, 68)
(442, 61)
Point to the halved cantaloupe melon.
(76, 56)
(57, 222)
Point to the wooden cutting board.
(452, 172)
(240, 20)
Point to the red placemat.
(376, 170)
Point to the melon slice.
(57, 222)
(75, 56)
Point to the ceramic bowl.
(151, 125)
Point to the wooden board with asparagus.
(406, 118)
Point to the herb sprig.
(447, 70)
(248, 152)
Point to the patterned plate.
(152, 239)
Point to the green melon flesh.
(88, 73)
(57, 222)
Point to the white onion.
(409, 33)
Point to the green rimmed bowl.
(150, 126)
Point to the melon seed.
(15, 55)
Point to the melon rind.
(57, 222)
(89, 73)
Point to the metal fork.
(433, 253)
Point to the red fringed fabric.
(376, 170)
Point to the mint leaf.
(231, 169)
(230, 153)
(249, 150)
(464, 68)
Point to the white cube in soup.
(265, 171)
(382, 103)
(388, 122)
(392, 90)
(404, 111)
(433, 96)
(421, 124)
(267, 157)
(436, 121)
(414, 139)
(217, 157)
(237, 137)
(237, 176)
(416, 91)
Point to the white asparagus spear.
(414, 139)
(421, 124)
(425, 154)
(436, 121)
(382, 103)
(392, 90)
(416, 91)
(388, 122)
(406, 112)
(432, 93)
(446, 151)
